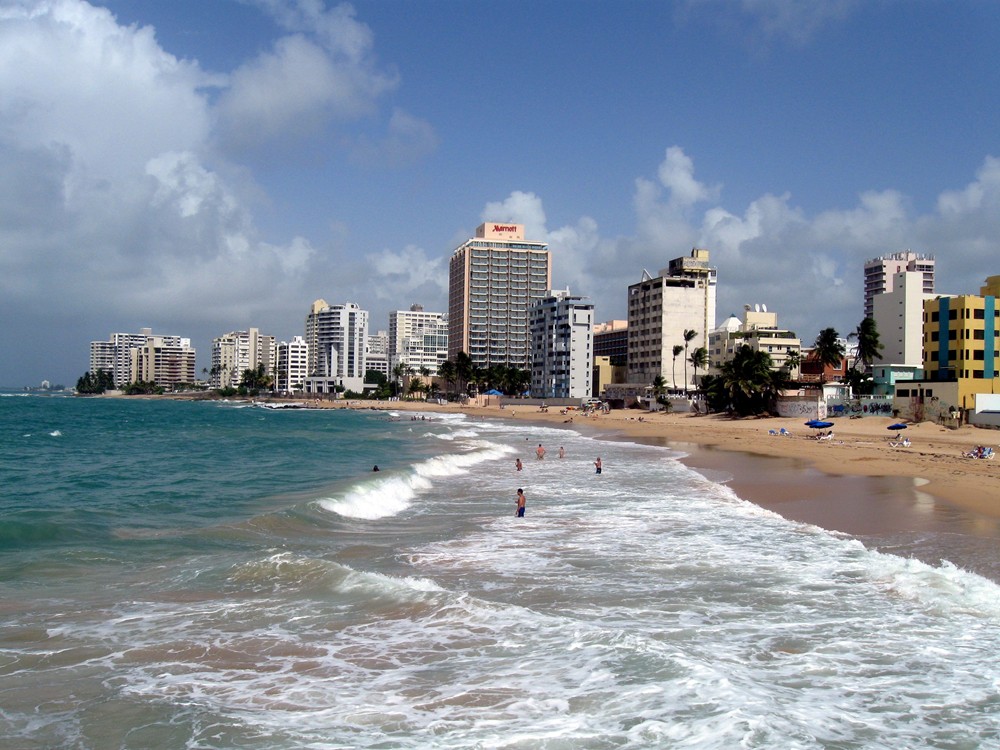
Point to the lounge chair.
(784, 432)
(772, 432)
(904, 443)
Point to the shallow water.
(217, 576)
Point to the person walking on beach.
(597, 465)
(518, 464)
(521, 500)
(540, 452)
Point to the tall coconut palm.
(659, 388)
(748, 381)
(673, 368)
(689, 335)
(447, 371)
(699, 360)
(869, 346)
(828, 350)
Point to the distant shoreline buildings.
(503, 313)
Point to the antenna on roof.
(763, 307)
(756, 307)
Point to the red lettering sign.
(502, 228)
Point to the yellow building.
(962, 342)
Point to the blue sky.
(202, 166)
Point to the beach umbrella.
(897, 426)
(493, 392)
(818, 425)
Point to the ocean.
(217, 575)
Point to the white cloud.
(322, 72)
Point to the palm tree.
(673, 372)
(689, 335)
(398, 373)
(748, 381)
(828, 351)
(869, 346)
(464, 369)
(699, 359)
(447, 371)
(792, 362)
(659, 387)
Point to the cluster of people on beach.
(980, 451)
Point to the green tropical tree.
(464, 369)
(869, 345)
(398, 373)
(98, 382)
(673, 372)
(792, 362)
(659, 388)
(748, 382)
(828, 351)
(448, 372)
(699, 361)
(689, 335)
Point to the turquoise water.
(214, 575)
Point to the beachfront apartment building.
(899, 319)
(163, 360)
(292, 365)
(237, 351)
(759, 330)
(562, 346)
(493, 278)
(337, 339)
(662, 308)
(418, 339)
(880, 274)
(377, 353)
(115, 354)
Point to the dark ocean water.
(214, 575)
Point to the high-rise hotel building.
(493, 279)
(337, 339)
(661, 309)
(879, 273)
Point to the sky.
(205, 166)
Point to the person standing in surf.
(597, 465)
(521, 500)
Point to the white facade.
(115, 354)
(880, 272)
(377, 356)
(237, 351)
(899, 319)
(493, 279)
(337, 338)
(562, 337)
(661, 309)
(418, 339)
(292, 366)
(759, 330)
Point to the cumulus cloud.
(325, 71)
(762, 22)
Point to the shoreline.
(859, 448)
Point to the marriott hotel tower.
(493, 279)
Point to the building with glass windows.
(562, 336)
(337, 339)
(493, 279)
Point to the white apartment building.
(418, 338)
(337, 338)
(660, 309)
(899, 319)
(493, 279)
(115, 354)
(562, 343)
(377, 356)
(164, 360)
(879, 274)
(759, 330)
(238, 351)
(292, 366)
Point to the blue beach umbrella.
(817, 424)
(897, 426)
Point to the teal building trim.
(944, 336)
(989, 353)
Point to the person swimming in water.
(521, 500)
